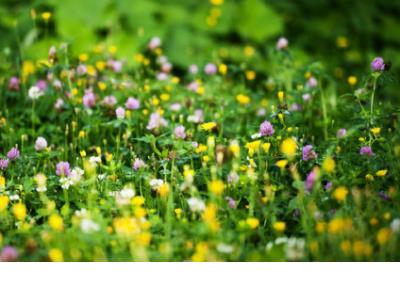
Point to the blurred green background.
(344, 35)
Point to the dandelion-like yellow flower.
(56, 222)
(243, 99)
(3, 202)
(279, 226)
(376, 131)
(56, 255)
(46, 16)
(216, 187)
(328, 165)
(381, 173)
(252, 222)
(383, 236)
(19, 211)
(208, 126)
(340, 193)
(288, 147)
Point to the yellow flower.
(369, 177)
(340, 193)
(281, 95)
(217, 2)
(208, 126)
(143, 238)
(19, 210)
(250, 75)
(165, 97)
(178, 212)
(222, 68)
(248, 51)
(102, 85)
(201, 148)
(216, 187)
(253, 147)
(46, 16)
(288, 147)
(383, 236)
(266, 146)
(234, 148)
(2, 182)
(210, 217)
(83, 57)
(163, 190)
(281, 164)
(352, 80)
(329, 165)
(381, 173)
(342, 42)
(375, 130)
(252, 222)
(56, 255)
(56, 222)
(3, 202)
(279, 226)
(243, 99)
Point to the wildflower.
(4, 199)
(193, 69)
(13, 154)
(281, 164)
(376, 131)
(154, 43)
(216, 187)
(309, 153)
(381, 173)
(282, 43)
(109, 101)
(378, 64)
(340, 193)
(132, 103)
(89, 99)
(312, 82)
(40, 144)
(155, 183)
(279, 226)
(341, 133)
(395, 225)
(163, 189)
(120, 113)
(63, 169)
(306, 97)
(35, 92)
(196, 204)
(56, 222)
(4, 164)
(175, 107)
(231, 202)
(76, 175)
(266, 147)
(250, 75)
(156, 121)
(13, 84)
(352, 80)
(295, 249)
(197, 117)
(89, 226)
(208, 126)
(179, 132)
(138, 164)
(210, 69)
(288, 147)
(366, 151)
(243, 99)
(19, 210)
(223, 68)
(9, 254)
(56, 255)
(311, 179)
(383, 236)
(252, 222)
(329, 164)
(124, 196)
(233, 178)
(266, 128)
(41, 181)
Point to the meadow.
(255, 156)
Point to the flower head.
(366, 151)
(179, 132)
(4, 164)
(35, 92)
(309, 153)
(89, 99)
(40, 144)
(138, 164)
(63, 169)
(120, 113)
(266, 128)
(378, 64)
(282, 43)
(8, 254)
(156, 121)
(132, 103)
(13, 153)
(210, 69)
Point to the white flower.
(14, 197)
(196, 204)
(41, 189)
(34, 93)
(40, 144)
(156, 183)
(295, 249)
(76, 175)
(81, 213)
(94, 160)
(65, 182)
(224, 248)
(124, 196)
(395, 225)
(256, 135)
(101, 176)
(89, 226)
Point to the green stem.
(372, 100)
(324, 111)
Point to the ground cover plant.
(266, 158)
(103, 163)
